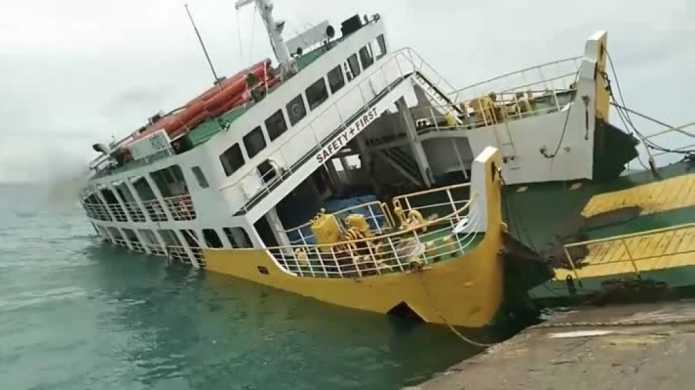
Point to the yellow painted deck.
(642, 252)
(656, 197)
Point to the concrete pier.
(640, 346)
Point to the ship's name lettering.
(343, 138)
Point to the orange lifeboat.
(228, 94)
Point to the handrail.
(396, 58)
(400, 232)
(632, 235)
(622, 239)
(372, 217)
(517, 72)
(387, 253)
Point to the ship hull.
(466, 289)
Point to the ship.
(355, 174)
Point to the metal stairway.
(403, 163)
(306, 163)
(440, 98)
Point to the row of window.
(236, 237)
(296, 109)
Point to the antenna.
(202, 45)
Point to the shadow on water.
(189, 329)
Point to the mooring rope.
(453, 330)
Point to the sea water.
(79, 314)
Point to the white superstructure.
(349, 113)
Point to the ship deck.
(641, 346)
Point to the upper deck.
(104, 165)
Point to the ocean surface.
(78, 314)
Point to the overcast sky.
(75, 72)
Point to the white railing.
(419, 244)
(154, 210)
(96, 211)
(136, 215)
(375, 213)
(156, 249)
(178, 253)
(485, 111)
(401, 63)
(181, 207)
(118, 212)
(554, 75)
(432, 203)
(137, 246)
(120, 241)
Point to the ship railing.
(177, 253)
(120, 241)
(137, 246)
(118, 212)
(432, 203)
(96, 211)
(502, 107)
(156, 249)
(181, 207)
(401, 64)
(136, 215)
(555, 75)
(376, 213)
(154, 210)
(633, 249)
(417, 245)
(197, 252)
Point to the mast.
(202, 44)
(274, 29)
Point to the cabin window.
(212, 239)
(232, 159)
(296, 110)
(200, 177)
(238, 238)
(336, 79)
(170, 181)
(316, 93)
(276, 125)
(267, 171)
(254, 142)
(354, 65)
(381, 46)
(366, 57)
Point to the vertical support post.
(276, 225)
(632, 260)
(138, 200)
(144, 244)
(574, 269)
(459, 158)
(97, 191)
(158, 195)
(415, 145)
(337, 264)
(186, 247)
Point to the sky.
(76, 72)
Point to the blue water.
(76, 314)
